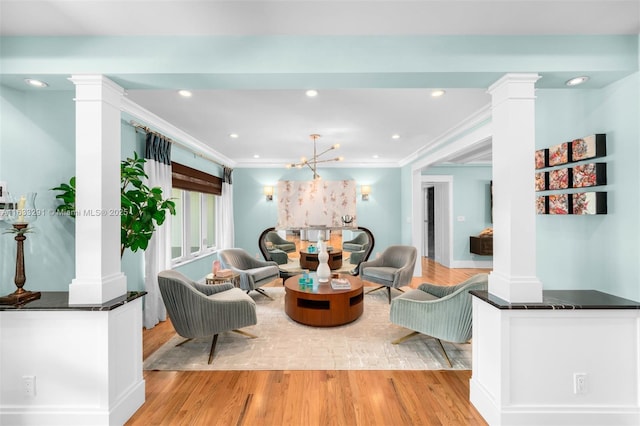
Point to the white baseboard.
(485, 264)
(531, 415)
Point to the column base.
(83, 291)
(515, 289)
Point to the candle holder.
(24, 213)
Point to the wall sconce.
(365, 190)
(268, 191)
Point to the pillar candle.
(21, 204)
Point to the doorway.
(429, 222)
(436, 205)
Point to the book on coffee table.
(340, 284)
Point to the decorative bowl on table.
(347, 219)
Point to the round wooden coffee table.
(322, 306)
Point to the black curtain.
(227, 174)
(158, 149)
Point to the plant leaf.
(142, 208)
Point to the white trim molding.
(163, 126)
(475, 119)
(476, 136)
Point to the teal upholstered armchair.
(269, 251)
(442, 312)
(357, 243)
(392, 269)
(199, 310)
(280, 243)
(253, 272)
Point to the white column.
(513, 278)
(98, 275)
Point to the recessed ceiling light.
(374, 156)
(577, 80)
(256, 156)
(234, 135)
(185, 93)
(35, 83)
(437, 93)
(396, 136)
(312, 93)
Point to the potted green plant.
(142, 208)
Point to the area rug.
(283, 344)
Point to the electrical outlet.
(579, 383)
(29, 385)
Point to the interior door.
(429, 223)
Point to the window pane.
(177, 224)
(210, 203)
(194, 221)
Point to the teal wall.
(294, 61)
(599, 252)
(471, 199)
(252, 213)
(37, 152)
(133, 263)
(594, 252)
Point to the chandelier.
(313, 162)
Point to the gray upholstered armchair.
(358, 243)
(393, 268)
(442, 312)
(280, 243)
(253, 272)
(200, 310)
(269, 251)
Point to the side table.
(235, 279)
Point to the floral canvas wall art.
(589, 174)
(559, 179)
(542, 205)
(316, 203)
(559, 204)
(592, 146)
(583, 203)
(559, 154)
(542, 156)
(541, 181)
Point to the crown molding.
(466, 125)
(163, 126)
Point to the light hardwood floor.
(308, 398)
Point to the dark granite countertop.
(564, 299)
(59, 301)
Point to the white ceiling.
(322, 17)
(275, 124)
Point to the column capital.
(513, 86)
(97, 88)
(94, 79)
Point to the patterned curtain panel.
(224, 213)
(315, 203)
(157, 256)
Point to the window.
(177, 223)
(193, 230)
(193, 226)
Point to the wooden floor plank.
(251, 398)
